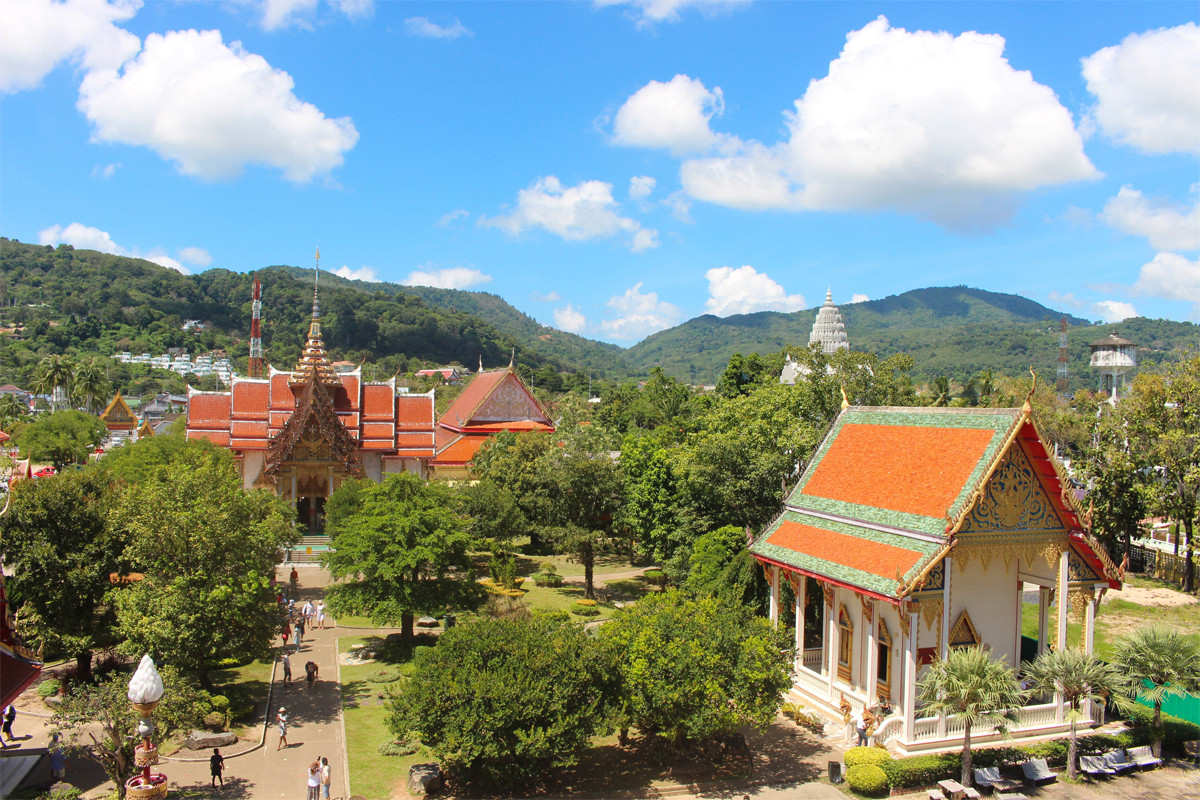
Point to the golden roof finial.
(512, 358)
(1027, 408)
(845, 399)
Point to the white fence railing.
(812, 659)
(925, 729)
(812, 682)
(890, 729)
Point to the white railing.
(811, 682)
(812, 659)
(925, 729)
(1040, 716)
(890, 729)
(1113, 358)
(955, 726)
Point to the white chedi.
(146, 685)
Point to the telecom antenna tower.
(256, 350)
(1061, 383)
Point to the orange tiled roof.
(208, 410)
(414, 411)
(913, 469)
(874, 558)
(377, 402)
(460, 451)
(251, 398)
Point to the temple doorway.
(310, 515)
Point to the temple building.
(916, 530)
(828, 329)
(300, 433)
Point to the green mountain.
(82, 302)
(954, 331)
(598, 358)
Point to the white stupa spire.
(828, 329)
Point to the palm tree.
(1078, 677)
(1166, 660)
(941, 390)
(11, 409)
(980, 690)
(91, 383)
(54, 373)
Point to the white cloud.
(575, 213)
(1114, 310)
(105, 171)
(360, 274)
(1147, 89)
(1166, 227)
(672, 116)
(422, 26)
(639, 315)
(301, 13)
(1173, 277)
(88, 238)
(641, 186)
(196, 256)
(213, 109)
(648, 12)
(448, 278)
(569, 319)
(680, 206)
(37, 35)
(745, 290)
(929, 124)
(1068, 299)
(552, 297)
(859, 298)
(451, 218)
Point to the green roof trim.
(830, 568)
(1000, 422)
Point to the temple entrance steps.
(308, 550)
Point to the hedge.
(865, 755)
(867, 779)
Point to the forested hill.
(63, 300)
(598, 358)
(953, 331)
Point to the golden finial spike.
(845, 399)
(481, 362)
(512, 358)
(1027, 408)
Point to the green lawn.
(364, 691)
(246, 687)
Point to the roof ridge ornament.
(1027, 406)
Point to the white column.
(870, 663)
(801, 599)
(1043, 618)
(944, 649)
(1063, 601)
(834, 644)
(909, 701)
(773, 571)
(1089, 623)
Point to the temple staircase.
(308, 551)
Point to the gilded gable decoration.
(1013, 500)
(508, 401)
(963, 634)
(827, 590)
(1078, 569)
(118, 416)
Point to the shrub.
(811, 721)
(922, 770)
(49, 688)
(214, 721)
(791, 710)
(387, 675)
(1175, 730)
(549, 579)
(586, 611)
(867, 779)
(655, 576)
(585, 602)
(866, 755)
(61, 791)
(398, 747)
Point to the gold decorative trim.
(963, 634)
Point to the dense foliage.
(499, 701)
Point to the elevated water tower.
(1112, 357)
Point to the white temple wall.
(252, 467)
(990, 596)
(372, 465)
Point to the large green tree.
(90, 385)
(499, 701)
(973, 686)
(62, 438)
(695, 669)
(207, 550)
(62, 541)
(399, 549)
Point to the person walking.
(310, 673)
(321, 614)
(287, 631)
(287, 667)
(294, 583)
(58, 759)
(325, 778)
(299, 630)
(10, 714)
(314, 781)
(216, 765)
(281, 719)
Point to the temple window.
(883, 677)
(845, 645)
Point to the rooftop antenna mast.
(256, 349)
(1061, 381)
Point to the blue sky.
(615, 168)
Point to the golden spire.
(314, 359)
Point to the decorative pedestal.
(139, 788)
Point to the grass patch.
(246, 687)
(364, 706)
